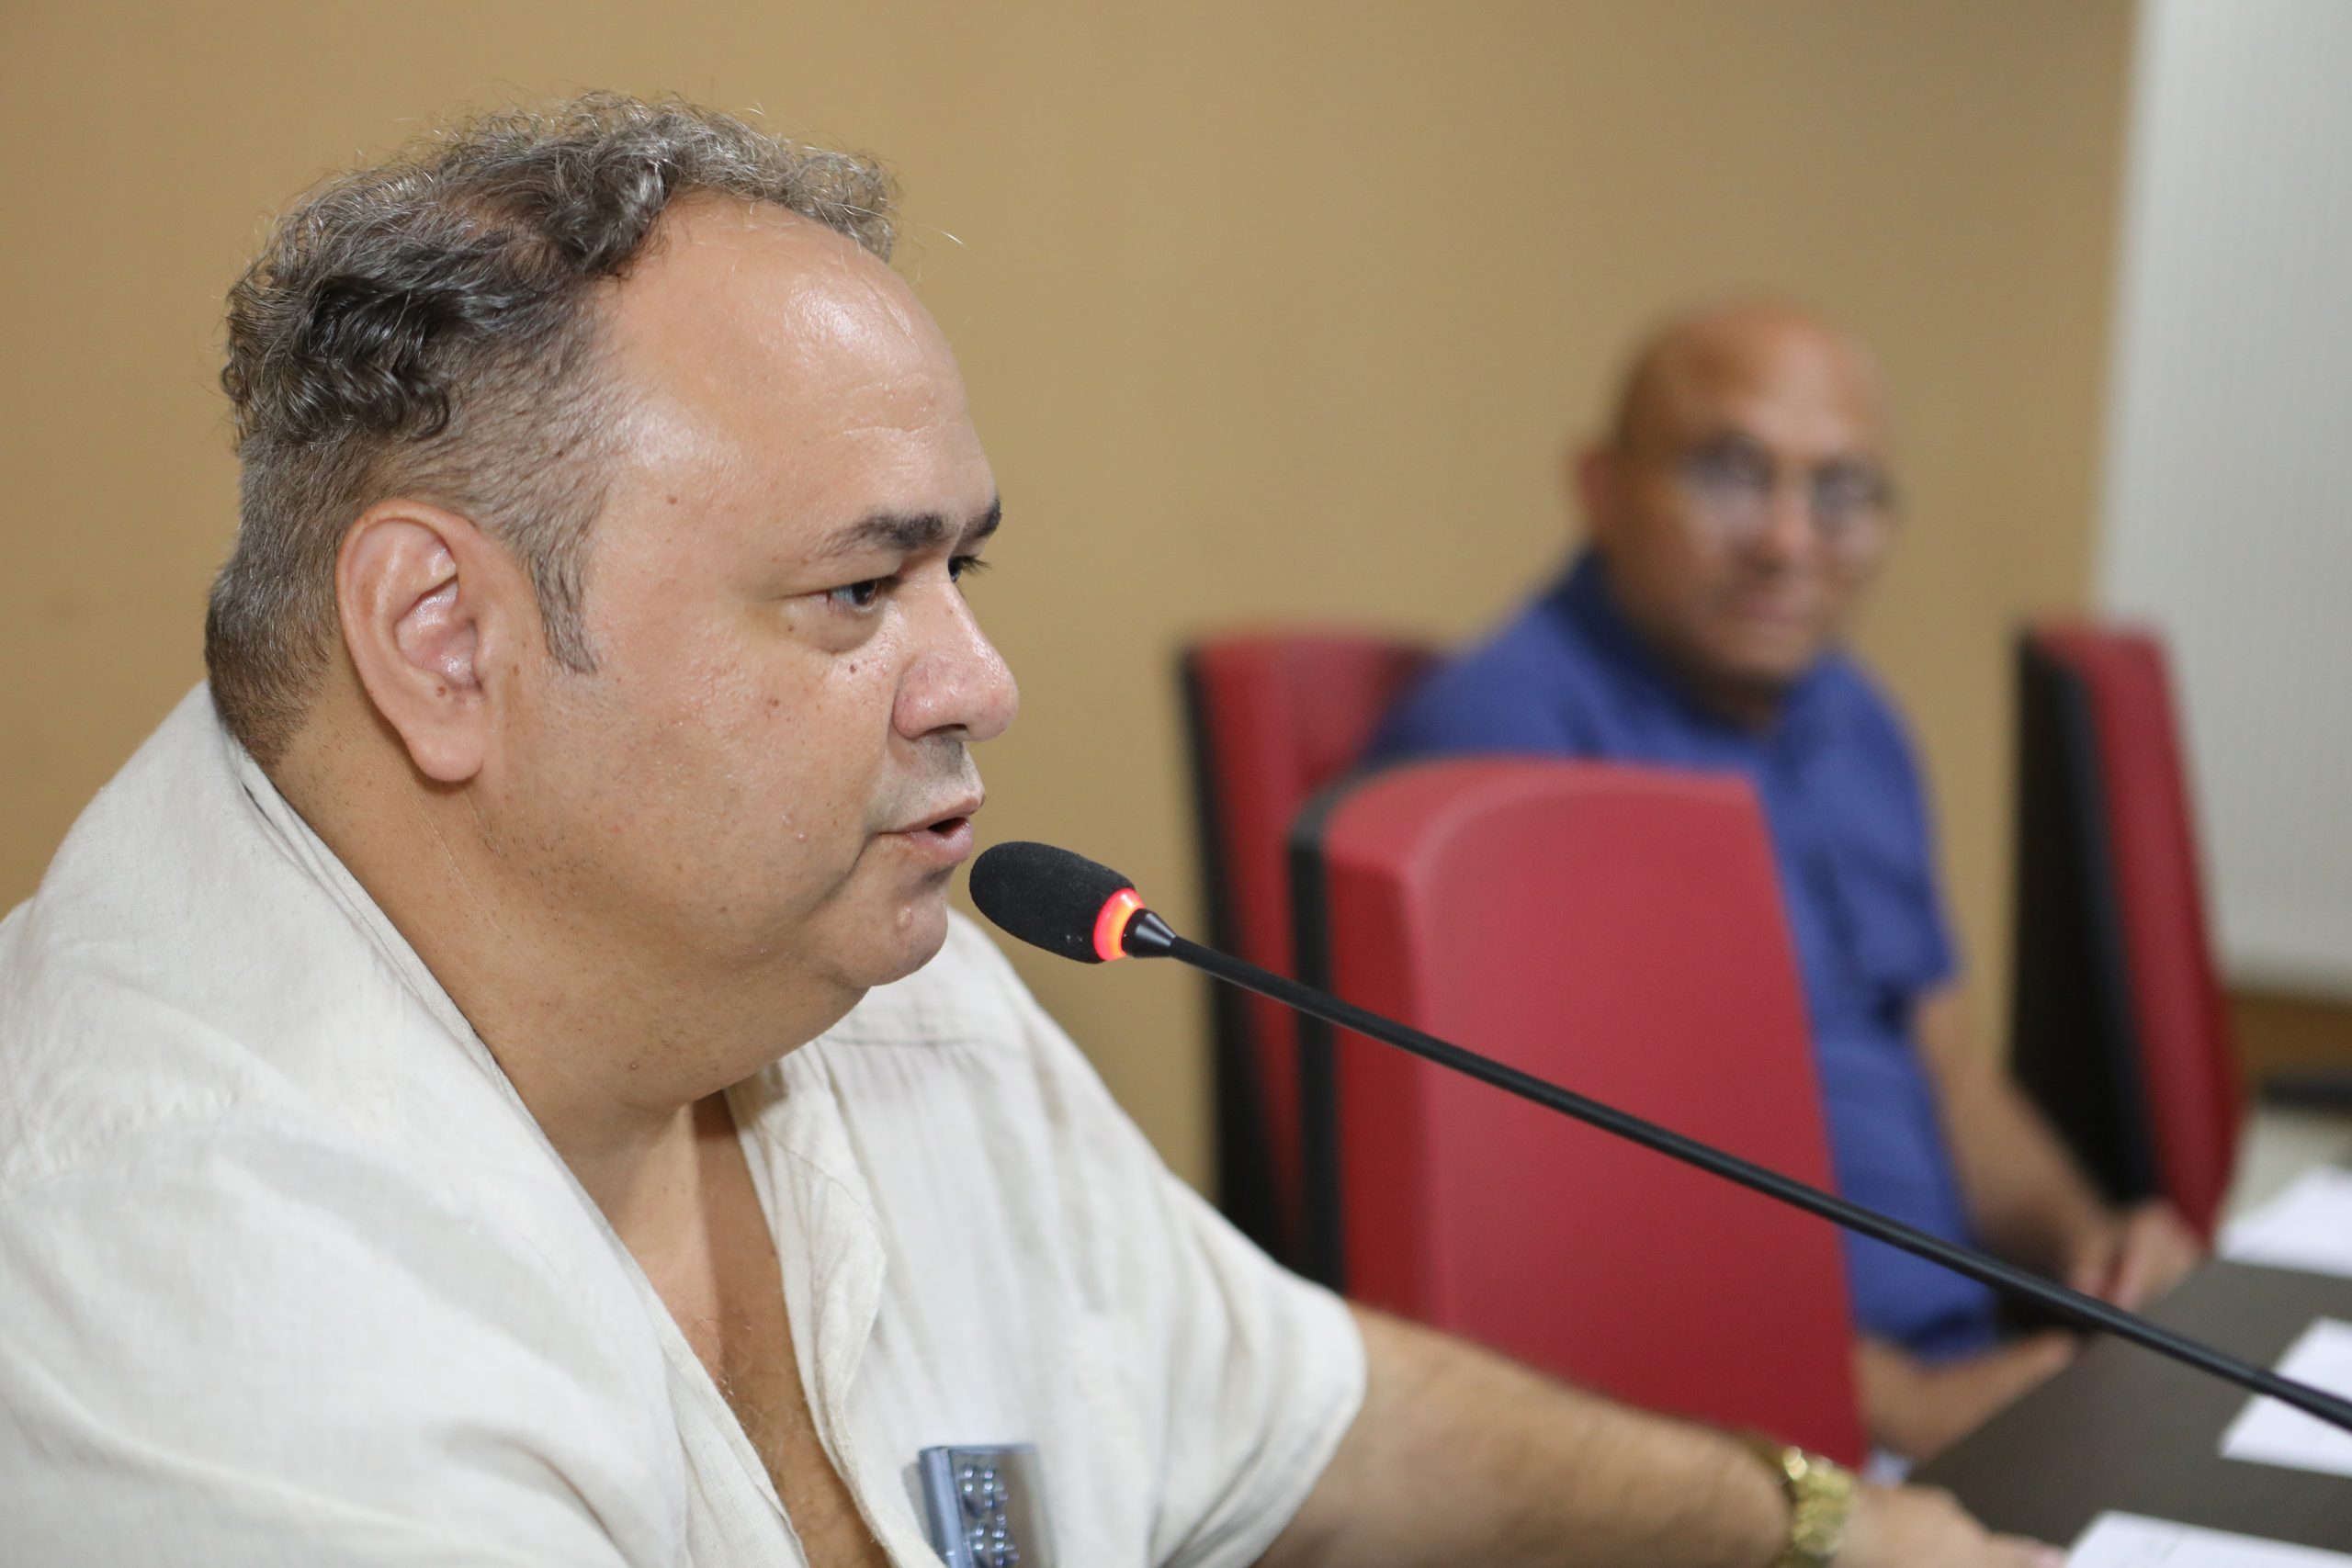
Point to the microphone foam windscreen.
(1046, 896)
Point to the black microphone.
(1067, 904)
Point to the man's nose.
(1788, 530)
(959, 683)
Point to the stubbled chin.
(919, 932)
(1776, 651)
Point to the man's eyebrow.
(910, 533)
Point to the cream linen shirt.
(289, 1276)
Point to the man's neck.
(609, 1039)
(1745, 705)
(1752, 705)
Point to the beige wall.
(1268, 310)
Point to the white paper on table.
(2307, 1226)
(2270, 1433)
(2130, 1540)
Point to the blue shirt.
(1849, 819)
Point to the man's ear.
(1593, 475)
(429, 615)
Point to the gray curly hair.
(425, 328)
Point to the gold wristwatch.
(1821, 1497)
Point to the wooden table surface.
(2126, 1428)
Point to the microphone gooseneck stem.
(1148, 936)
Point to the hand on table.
(1918, 1408)
(2142, 1253)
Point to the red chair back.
(2134, 839)
(1619, 931)
(1274, 717)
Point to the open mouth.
(948, 838)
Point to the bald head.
(1682, 369)
(1740, 497)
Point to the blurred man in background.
(496, 1080)
(1736, 508)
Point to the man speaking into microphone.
(495, 1078)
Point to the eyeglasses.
(1732, 483)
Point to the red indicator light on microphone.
(1110, 926)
